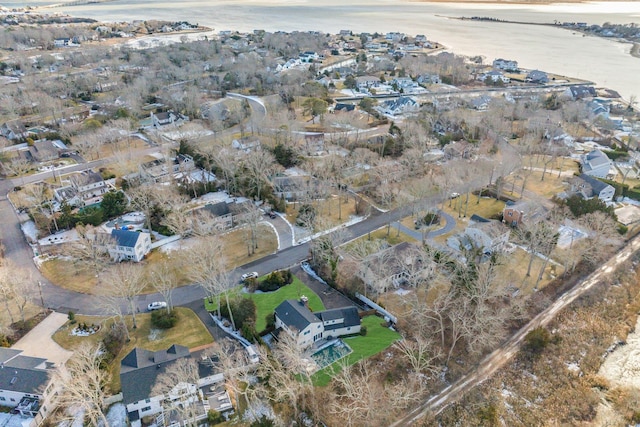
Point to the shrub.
(114, 340)
(537, 340)
(72, 317)
(163, 320)
(275, 280)
(214, 417)
(243, 309)
(270, 322)
(363, 331)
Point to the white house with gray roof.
(596, 163)
(139, 371)
(25, 385)
(129, 245)
(295, 318)
(589, 187)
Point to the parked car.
(272, 214)
(157, 305)
(247, 276)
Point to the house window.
(12, 399)
(145, 409)
(3, 398)
(147, 401)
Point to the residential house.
(505, 64)
(246, 144)
(44, 150)
(589, 187)
(66, 42)
(399, 106)
(513, 214)
(25, 385)
(139, 371)
(299, 187)
(580, 91)
(342, 106)
(345, 33)
(398, 265)
(490, 236)
(428, 79)
(14, 130)
(228, 214)
(295, 318)
(405, 84)
(129, 245)
(494, 76)
(487, 235)
(460, 150)
(364, 83)
(394, 36)
(480, 103)
(599, 108)
(324, 81)
(421, 38)
(308, 56)
(168, 118)
(537, 76)
(82, 187)
(596, 163)
(162, 170)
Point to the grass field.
(190, 332)
(77, 276)
(377, 339)
(267, 302)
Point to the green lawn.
(266, 303)
(377, 339)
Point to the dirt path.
(499, 357)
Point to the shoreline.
(635, 48)
(516, 2)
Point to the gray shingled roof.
(125, 237)
(23, 374)
(348, 314)
(217, 209)
(140, 368)
(295, 314)
(596, 185)
(7, 354)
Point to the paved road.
(64, 300)
(499, 357)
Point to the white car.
(247, 276)
(156, 305)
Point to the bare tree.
(421, 354)
(18, 286)
(178, 385)
(80, 386)
(207, 266)
(125, 281)
(92, 247)
(163, 281)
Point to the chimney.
(115, 226)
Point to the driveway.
(329, 296)
(39, 342)
(449, 224)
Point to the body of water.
(606, 62)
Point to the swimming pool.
(331, 353)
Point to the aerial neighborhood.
(279, 228)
